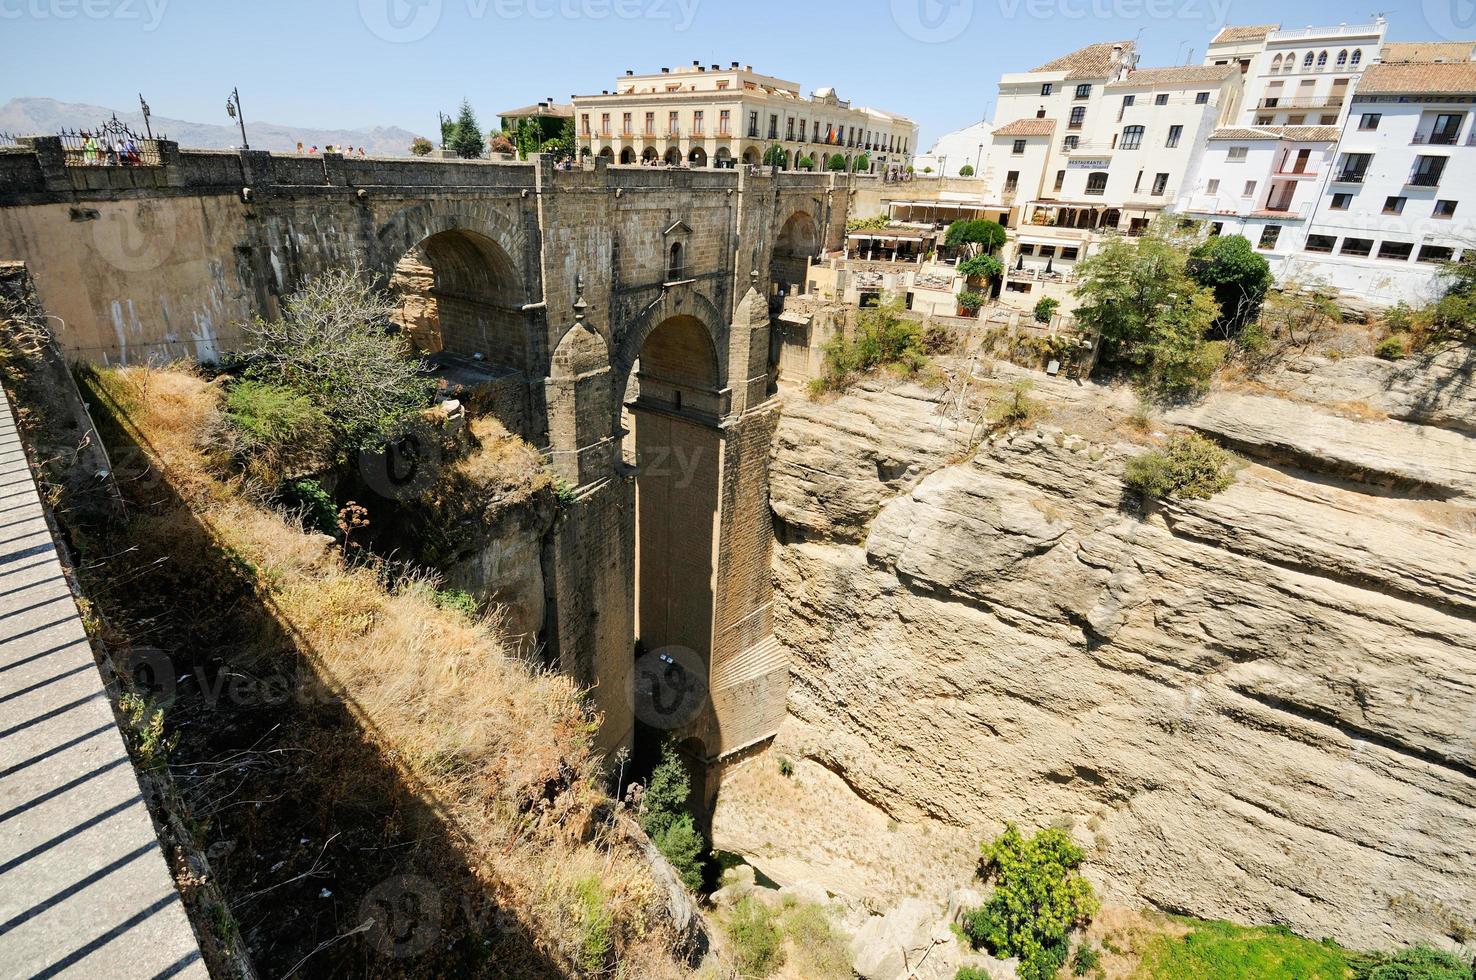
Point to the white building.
(1298, 77)
(956, 150)
(1402, 193)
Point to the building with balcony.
(1395, 202)
(1298, 77)
(708, 116)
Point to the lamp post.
(978, 158)
(145, 106)
(233, 109)
(444, 119)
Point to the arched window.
(1307, 61)
(1276, 64)
(674, 264)
(1097, 182)
(1290, 62)
(1357, 55)
(1132, 138)
(1342, 57)
(1322, 60)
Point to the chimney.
(717, 67)
(696, 64)
(666, 71)
(735, 64)
(629, 72)
(748, 67)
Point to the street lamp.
(145, 106)
(233, 109)
(444, 120)
(978, 158)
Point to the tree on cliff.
(975, 236)
(1240, 277)
(466, 135)
(666, 818)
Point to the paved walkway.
(84, 889)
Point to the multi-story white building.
(1400, 196)
(703, 116)
(1299, 77)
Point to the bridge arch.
(798, 241)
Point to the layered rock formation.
(1260, 707)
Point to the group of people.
(347, 151)
(99, 151)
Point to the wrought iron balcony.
(1349, 177)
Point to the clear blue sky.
(349, 63)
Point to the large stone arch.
(677, 301)
(796, 241)
(484, 288)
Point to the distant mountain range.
(44, 117)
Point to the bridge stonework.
(606, 296)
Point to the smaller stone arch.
(580, 419)
(628, 155)
(723, 157)
(649, 155)
(751, 157)
(673, 157)
(607, 153)
(698, 157)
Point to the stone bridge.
(603, 299)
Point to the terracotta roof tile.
(1457, 78)
(1404, 52)
(1295, 134)
(1251, 32)
(1027, 127)
(1182, 75)
(1092, 61)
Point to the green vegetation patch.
(1225, 951)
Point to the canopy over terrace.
(899, 244)
(1085, 215)
(942, 213)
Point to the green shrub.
(972, 973)
(756, 938)
(667, 820)
(786, 768)
(457, 600)
(836, 163)
(969, 301)
(1391, 348)
(332, 346)
(1039, 898)
(882, 339)
(1225, 951)
(318, 509)
(595, 923)
(967, 170)
(1014, 408)
(1416, 963)
(1085, 960)
(278, 430)
(1188, 466)
(980, 267)
(1046, 309)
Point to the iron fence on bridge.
(112, 144)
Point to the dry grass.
(500, 750)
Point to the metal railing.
(1424, 180)
(1438, 139)
(112, 144)
(1349, 177)
(1300, 102)
(1343, 30)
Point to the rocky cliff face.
(1260, 707)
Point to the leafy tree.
(774, 156)
(1453, 318)
(334, 346)
(861, 164)
(966, 170)
(561, 147)
(970, 301)
(805, 163)
(981, 267)
(1188, 466)
(1039, 898)
(466, 135)
(420, 146)
(836, 163)
(499, 143)
(1046, 309)
(1240, 277)
(1152, 318)
(975, 236)
(667, 820)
